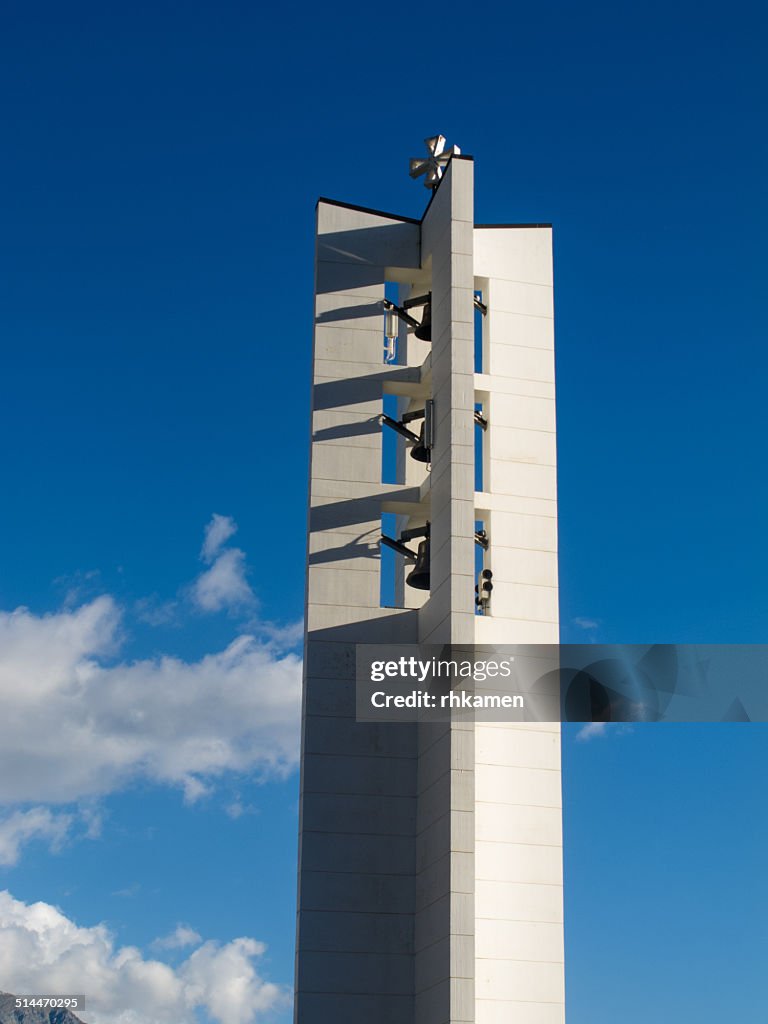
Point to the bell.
(424, 330)
(418, 577)
(420, 451)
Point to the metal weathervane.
(433, 165)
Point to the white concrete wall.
(519, 957)
(358, 782)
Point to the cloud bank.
(78, 724)
(44, 951)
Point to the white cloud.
(129, 892)
(223, 979)
(21, 827)
(42, 950)
(236, 809)
(76, 726)
(223, 585)
(591, 731)
(157, 613)
(181, 937)
(93, 819)
(217, 533)
(584, 623)
(279, 637)
(596, 730)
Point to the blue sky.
(159, 176)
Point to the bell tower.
(430, 860)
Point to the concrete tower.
(430, 867)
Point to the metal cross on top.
(433, 165)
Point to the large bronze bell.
(424, 330)
(418, 577)
(420, 452)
